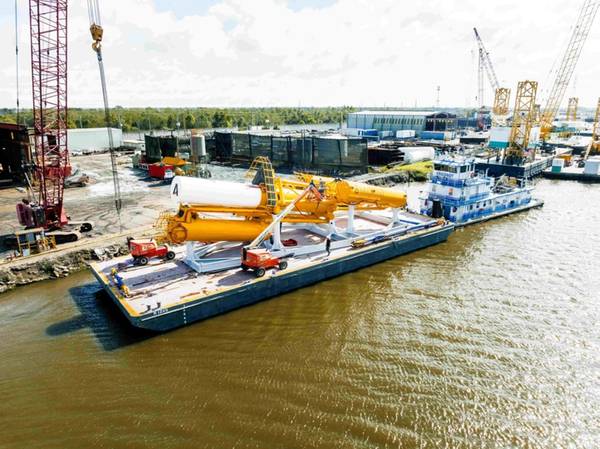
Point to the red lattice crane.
(50, 164)
(48, 22)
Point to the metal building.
(92, 139)
(393, 121)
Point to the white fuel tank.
(206, 192)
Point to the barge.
(165, 295)
(301, 231)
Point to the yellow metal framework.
(261, 165)
(594, 146)
(501, 106)
(572, 108)
(537, 114)
(213, 223)
(523, 118)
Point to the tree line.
(141, 119)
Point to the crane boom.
(487, 62)
(568, 64)
(523, 119)
(48, 27)
(594, 145)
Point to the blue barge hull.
(247, 293)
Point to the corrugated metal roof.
(394, 113)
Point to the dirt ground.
(143, 198)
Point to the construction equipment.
(48, 32)
(568, 64)
(501, 94)
(523, 118)
(572, 109)
(144, 250)
(259, 260)
(97, 33)
(594, 146)
(213, 211)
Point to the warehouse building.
(83, 140)
(15, 153)
(422, 122)
(315, 152)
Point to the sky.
(255, 53)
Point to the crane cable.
(97, 33)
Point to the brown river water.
(491, 340)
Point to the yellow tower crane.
(523, 119)
(594, 146)
(572, 109)
(568, 64)
(501, 104)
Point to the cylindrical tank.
(204, 192)
(213, 230)
(198, 147)
(357, 192)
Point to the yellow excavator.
(212, 211)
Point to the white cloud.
(262, 53)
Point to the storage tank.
(417, 154)
(203, 192)
(198, 147)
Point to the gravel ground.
(143, 198)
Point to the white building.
(92, 139)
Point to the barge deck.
(168, 294)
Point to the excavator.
(213, 211)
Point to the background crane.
(501, 94)
(523, 120)
(594, 146)
(568, 64)
(572, 109)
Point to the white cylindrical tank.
(206, 192)
(417, 154)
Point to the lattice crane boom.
(594, 146)
(523, 119)
(486, 62)
(572, 108)
(568, 64)
(48, 27)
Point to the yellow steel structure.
(501, 106)
(501, 101)
(537, 114)
(594, 146)
(572, 108)
(216, 223)
(568, 64)
(523, 118)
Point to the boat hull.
(245, 295)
